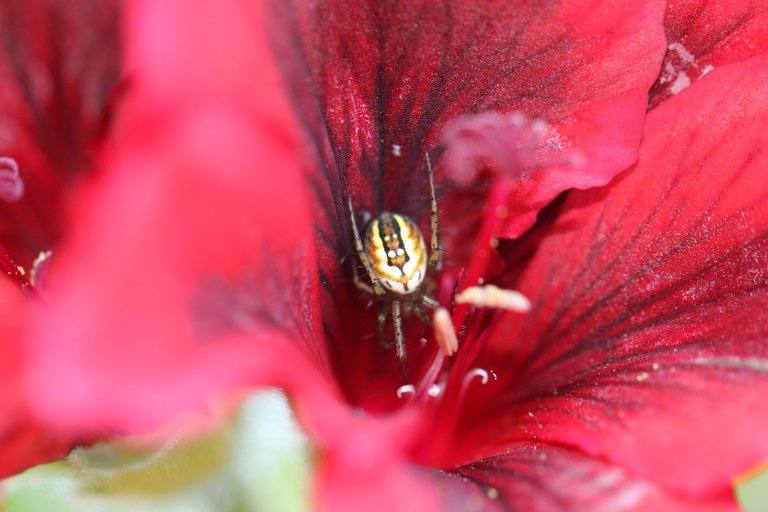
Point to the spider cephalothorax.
(395, 257)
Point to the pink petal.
(23, 443)
(191, 268)
(363, 462)
(647, 344)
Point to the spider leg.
(435, 259)
(377, 288)
(421, 315)
(428, 301)
(380, 324)
(399, 336)
(359, 282)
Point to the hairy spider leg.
(400, 342)
(435, 257)
(377, 288)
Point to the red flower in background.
(218, 248)
(58, 65)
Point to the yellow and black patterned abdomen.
(396, 250)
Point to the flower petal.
(704, 35)
(22, 442)
(539, 477)
(647, 343)
(191, 270)
(402, 488)
(58, 63)
(364, 463)
(375, 84)
(385, 78)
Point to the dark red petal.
(376, 83)
(647, 344)
(58, 62)
(198, 232)
(525, 162)
(704, 35)
(534, 477)
(386, 75)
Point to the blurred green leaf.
(752, 490)
(258, 461)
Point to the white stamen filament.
(406, 389)
(476, 372)
(435, 390)
(491, 296)
(467, 380)
(39, 272)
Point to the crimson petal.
(647, 344)
(58, 63)
(376, 82)
(535, 477)
(703, 35)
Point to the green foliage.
(259, 461)
(752, 491)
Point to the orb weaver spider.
(394, 256)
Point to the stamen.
(467, 380)
(445, 334)
(476, 372)
(39, 273)
(11, 184)
(512, 145)
(406, 389)
(435, 390)
(454, 399)
(491, 296)
(431, 374)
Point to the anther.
(491, 296)
(11, 184)
(445, 334)
(435, 390)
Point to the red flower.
(219, 249)
(57, 66)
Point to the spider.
(394, 255)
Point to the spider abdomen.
(397, 252)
